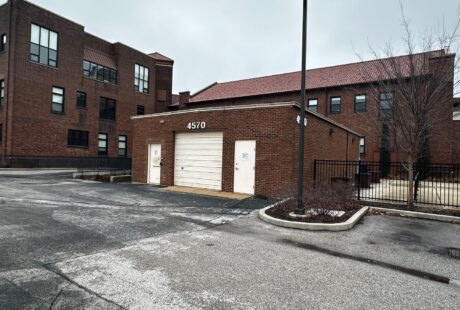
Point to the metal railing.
(105, 165)
(434, 184)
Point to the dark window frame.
(57, 103)
(105, 150)
(126, 146)
(356, 103)
(363, 146)
(139, 109)
(386, 114)
(100, 73)
(331, 111)
(106, 112)
(316, 106)
(3, 41)
(77, 138)
(1, 133)
(79, 103)
(2, 93)
(42, 48)
(141, 79)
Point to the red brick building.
(251, 149)
(343, 94)
(67, 93)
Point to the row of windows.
(79, 138)
(99, 72)
(335, 104)
(44, 50)
(107, 107)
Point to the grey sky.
(222, 40)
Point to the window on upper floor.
(107, 109)
(313, 105)
(140, 110)
(122, 147)
(362, 146)
(81, 99)
(335, 105)
(77, 138)
(385, 106)
(57, 102)
(2, 92)
(141, 79)
(43, 46)
(3, 42)
(360, 103)
(99, 72)
(102, 144)
(1, 133)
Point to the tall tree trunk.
(410, 189)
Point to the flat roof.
(248, 107)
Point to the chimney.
(184, 98)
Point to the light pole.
(299, 206)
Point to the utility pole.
(300, 208)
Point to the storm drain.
(453, 252)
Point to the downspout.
(8, 81)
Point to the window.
(336, 105)
(57, 105)
(140, 110)
(362, 146)
(360, 103)
(122, 146)
(102, 144)
(107, 109)
(81, 99)
(313, 105)
(1, 133)
(2, 42)
(100, 73)
(386, 105)
(141, 78)
(77, 138)
(43, 46)
(2, 92)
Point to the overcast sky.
(224, 40)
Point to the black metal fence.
(434, 184)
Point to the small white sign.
(305, 122)
(245, 156)
(196, 125)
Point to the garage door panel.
(198, 160)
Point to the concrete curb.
(313, 226)
(420, 215)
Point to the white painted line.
(454, 282)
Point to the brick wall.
(34, 129)
(275, 132)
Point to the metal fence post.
(359, 179)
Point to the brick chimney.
(184, 99)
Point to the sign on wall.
(196, 125)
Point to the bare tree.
(414, 93)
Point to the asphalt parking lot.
(67, 244)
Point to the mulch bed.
(282, 212)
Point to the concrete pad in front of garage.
(206, 192)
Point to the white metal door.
(154, 169)
(245, 167)
(198, 160)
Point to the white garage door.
(198, 160)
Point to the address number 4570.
(196, 125)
